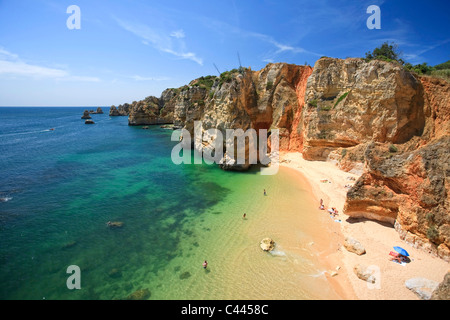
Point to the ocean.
(61, 181)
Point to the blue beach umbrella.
(401, 251)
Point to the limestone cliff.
(374, 118)
(121, 110)
(271, 98)
(405, 166)
(148, 111)
(350, 102)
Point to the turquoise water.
(58, 188)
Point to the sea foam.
(5, 199)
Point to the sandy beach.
(328, 182)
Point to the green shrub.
(269, 85)
(444, 74)
(393, 148)
(443, 66)
(432, 233)
(422, 68)
(200, 102)
(341, 98)
(386, 52)
(313, 103)
(227, 76)
(205, 82)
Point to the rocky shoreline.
(373, 118)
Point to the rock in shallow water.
(86, 115)
(115, 273)
(267, 244)
(141, 294)
(115, 224)
(185, 275)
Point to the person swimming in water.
(205, 264)
(244, 216)
(265, 192)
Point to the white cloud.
(416, 57)
(11, 64)
(23, 69)
(278, 46)
(179, 34)
(171, 43)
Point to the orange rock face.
(436, 107)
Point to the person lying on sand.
(397, 257)
(333, 212)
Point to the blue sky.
(127, 50)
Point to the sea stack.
(99, 110)
(89, 121)
(86, 115)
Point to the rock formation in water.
(271, 98)
(373, 118)
(141, 294)
(148, 112)
(267, 244)
(121, 110)
(86, 115)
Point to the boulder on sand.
(354, 246)
(364, 273)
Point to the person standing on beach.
(244, 216)
(265, 192)
(205, 264)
